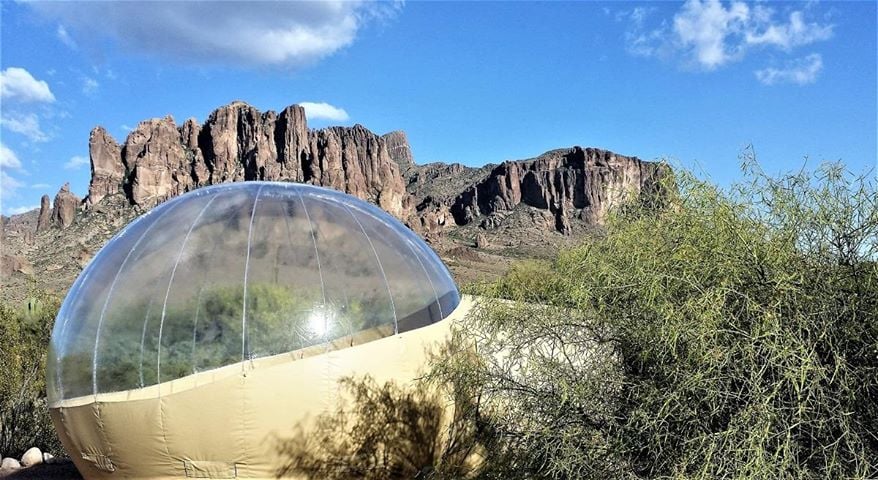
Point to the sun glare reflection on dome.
(320, 321)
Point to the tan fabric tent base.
(226, 423)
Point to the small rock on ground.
(33, 456)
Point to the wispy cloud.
(18, 84)
(709, 34)
(65, 38)
(89, 86)
(40, 186)
(9, 185)
(8, 159)
(264, 33)
(24, 124)
(794, 33)
(801, 71)
(324, 111)
(76, 162)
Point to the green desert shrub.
(24, 340)
(731, 334)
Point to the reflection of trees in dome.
(236, 272)
(206, 333)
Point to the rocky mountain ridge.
(572, 184)
(160, 159)
(472, 216)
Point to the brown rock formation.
(292, 138)
(399, 149)
(107, 171)
(65, 206)
(189, 134)
(357, 161)
(431, 218)
(572, 184)
(10, 264)
(158, 165)
(237, 143)
(44, 221)
(481, 240)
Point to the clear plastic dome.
(229, 273)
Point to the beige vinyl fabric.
(226, 423)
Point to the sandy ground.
(58, 471)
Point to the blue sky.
(469, 82)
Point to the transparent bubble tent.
(222, 316)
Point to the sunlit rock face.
(572, 184)
(236, 272)
(160, 160)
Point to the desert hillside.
(478, 219)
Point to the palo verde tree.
(732, 333)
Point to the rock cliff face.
(65, 206)
(400, 151)
(107, 171)
(44, 221)
(156, 163)
(160, 160)
(237, 142)
(508, 211)
(571, 184)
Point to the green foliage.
(24, 338)
(731, 334)
(199, 333)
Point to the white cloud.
(76, 162)
(792, 34)
(324, 111)
(8, 159)
(65, 38)
(703, 28)
(710, 33)
(801, 71)
(9, 187)
(40, 186)
(20, 210)
(18, 84)
(89, 86)
(25, 124)
(257, 33)
(639, 15)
